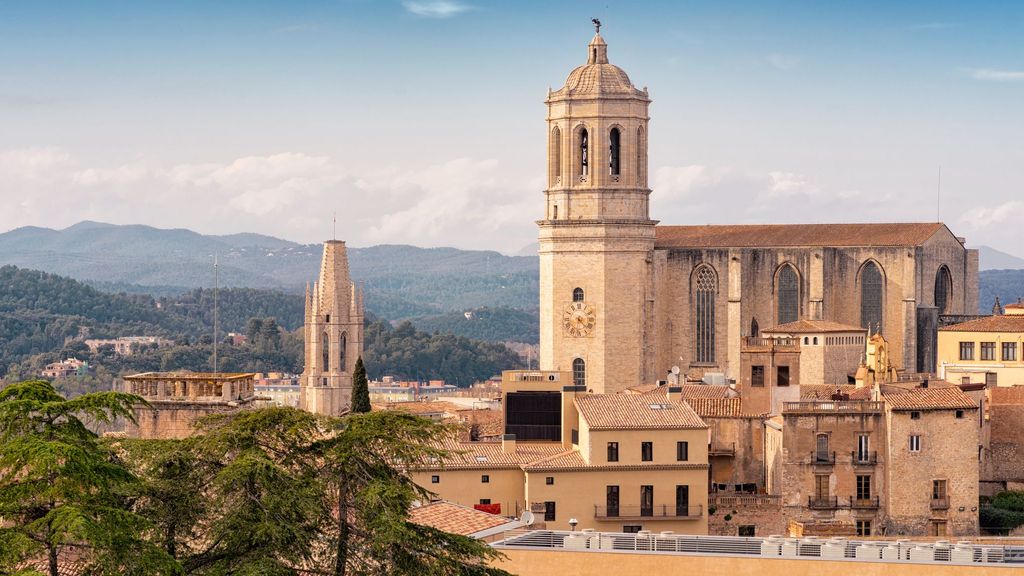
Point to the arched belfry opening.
(614, 145)
(326, 352)
(583, 154)
(555, 156)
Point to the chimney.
(508, 443)
(675, 393)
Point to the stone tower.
(597, 237)
(333, 336)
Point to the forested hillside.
(488, 324)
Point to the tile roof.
(454, 518)
(825, 391)
(635, 412)
(692, 391)
(810, 326)
(416, 407)
(1008, 395)
(720, 408)
(470, 455)
(778, 235)
(1007, 323)
(930, 399)
(567, 460)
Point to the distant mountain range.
(433, 285)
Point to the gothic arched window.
(943, 289)
(614, 141)
(788, 295)
(754, 328)
(579, 372)
(577, 294)
(871, 298)
(555, 156)
(342, 346)
(326, 346)
(584, 152)
(705, 288)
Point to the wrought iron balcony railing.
(660, 512)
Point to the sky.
(422, 121)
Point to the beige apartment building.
(620, 462)
(989, 350)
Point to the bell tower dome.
(597, 238)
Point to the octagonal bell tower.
(597, 238)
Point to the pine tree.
(360, 389)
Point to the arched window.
(754, 328)
(342, 345)
(579, 372)
(705, 288)
(326, 345)
(806, 340)
(788, 295)
(871, 298)
(943, 289)
(584, 153)
(815, 340)
(641, 148)
(614, 139)
(555, 156)
(577, 294)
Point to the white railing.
(895, 551)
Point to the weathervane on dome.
(597, 25)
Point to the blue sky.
(422, 122)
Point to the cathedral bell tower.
(597, 237)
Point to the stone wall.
(167, 420)
(1006, 450)
(764, 513)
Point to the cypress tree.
(360, 389)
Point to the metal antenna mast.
(938, 198)
(216, 319)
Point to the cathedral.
(624, 300)
(333, 335)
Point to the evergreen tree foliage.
(62, 491)
(360, 389)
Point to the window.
(915, 443)
(631, 528)
(682, 500)
(806, 340)
(754, 328)
(782, 375)
(577, 294)
(871, 298)
(614, 139)
(815, 341)
(863, 447)
(967, 350)
(641, 150)
(938, 489)
(485, 500)
(915, 415)
(991, 379)
(342, 345)
(556, 157)
(611, 501)
(549, 480)
(682, 451)
(485, 479)
(705, 288)
(757, 376)
(988, 350)
(938, 528)
(435, 479)
(821, 489)
(579, 372)
(647, 451)
(555, 217)
(584, 152)
(943, 289)
(788, 295)
(549, 511)
(821, 453)
(959, 414)
(647, 500)
(746, 530)
(863, 487)
(613, 451)
(863, 527)
(1009, 351)
(326, 353)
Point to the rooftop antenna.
(334, 223)
(216, 319)
(938, 197)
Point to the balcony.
(722, 450)
(864, 503)
(758, 344)
(827, 503)
(940, 503)
(663, 512)
(823, 458)
(833, 406)
(863, 458)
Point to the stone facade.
(745, 515)
(178, 399)
(333, 335)
(1005, 456)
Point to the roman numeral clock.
(579, 319)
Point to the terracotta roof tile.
(454, 518)
(777, 235)
(567, 460)
(720, 408)
(692, 391)
(635, 412)
(930, 399)
(1007, 323)
(469, 455)
(432, 407)
(809, 326)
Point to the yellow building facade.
(985, 350)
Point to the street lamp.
(572, 523)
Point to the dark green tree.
(60, 489)
(360, 389)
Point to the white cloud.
(995, 75)
(984, 216)
(784, 61)
(435, 8)
(32, 163)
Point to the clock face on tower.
(579, 319)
